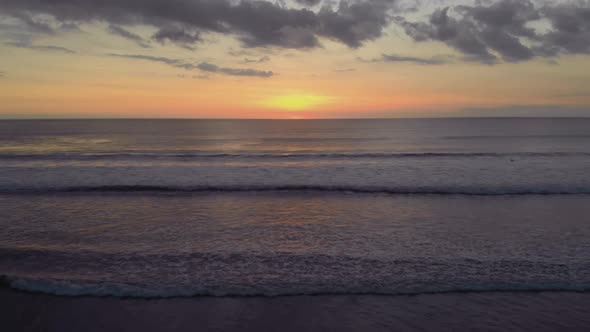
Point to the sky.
(294, 59)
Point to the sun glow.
(297, 102)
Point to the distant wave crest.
(359, 189)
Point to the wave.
(277, 155)
(118, 290)
(468, 191)
(141, 275)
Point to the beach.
(555, 311)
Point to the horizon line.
(301, 119)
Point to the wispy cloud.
(180, 36)
(258, 60)
(121, 32)
(46, 48)
(168, 61)
(395, 58)
(208, 67)
(203, 66)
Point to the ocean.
(154, 209)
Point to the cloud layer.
(487, 31)
(255, 23)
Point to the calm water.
(180, 208)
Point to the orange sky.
(92, 72)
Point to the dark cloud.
(34, 25)
(460, 34)
(48, 48)
(571, 29)
(309, 3)
(203, 66)
(119, 31)
(491, 30)
(262, 23)
(355, 22)
(501, 25)
(177, 35)
(255, 23)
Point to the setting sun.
(296, 102)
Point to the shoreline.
(5, 286)
(491, 311)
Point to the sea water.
(166, 208)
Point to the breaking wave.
(169, 274)
(359, 189)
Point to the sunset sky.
(293, 59)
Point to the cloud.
(485, 31)
(69, 27)
(355, 23)
(461, 35)
(203, 66)
(177, 35)
(168, 61)
(259, 60)
(46, 48)
(437, 60)
(309, 3)
(208, 67)
(491, 31)
(254, 23)
(34, 25)
(119, 31)
(2, 74)
(240, 52)
(571, 29)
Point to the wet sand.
(493, 311)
